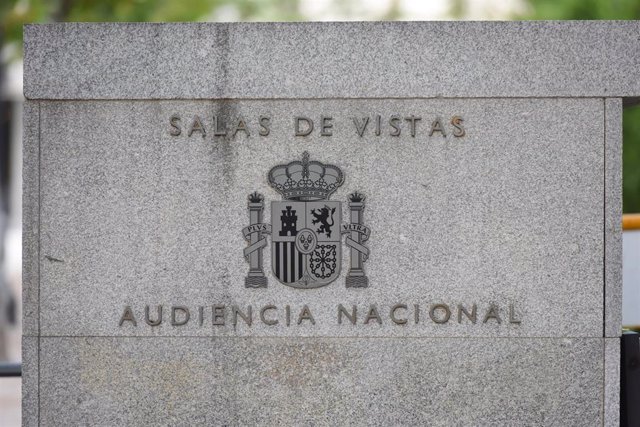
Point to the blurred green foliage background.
(14, 13)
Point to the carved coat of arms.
(306, 229)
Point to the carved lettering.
(436, 126)
(441, 307)
(412, 124)
(265, 123)
(148, 319)
(471, 316)
(360, 126)
(343, 311)
(326, 126)
(270, 314)
(305, 314)
(373, 315)
(174, 317)
(269, 322)
(176, 129)
(218, 128)
(299, 130)
(222, 126)
(394, 122)
(197, 126)
(218, 315)
(458, 131)
(492, 313)
(127, 316)
(241, 126)
(235, 313)
(392, 314)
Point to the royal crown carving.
(305, 180)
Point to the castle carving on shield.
(289, 220)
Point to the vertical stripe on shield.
(288, 264)
(300, 265)
(292, 262)
(277, 263)
(283, 262)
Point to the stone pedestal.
(256, 277)
(490, 157)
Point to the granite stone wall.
(489, 155)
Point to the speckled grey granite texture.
(512, 213)
(522, 211)
(31, 218)
(613, 218)
(612, 382)
(321, 381)
(30, 381)
(324, 60)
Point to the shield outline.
(283, 248)
(335, 239)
